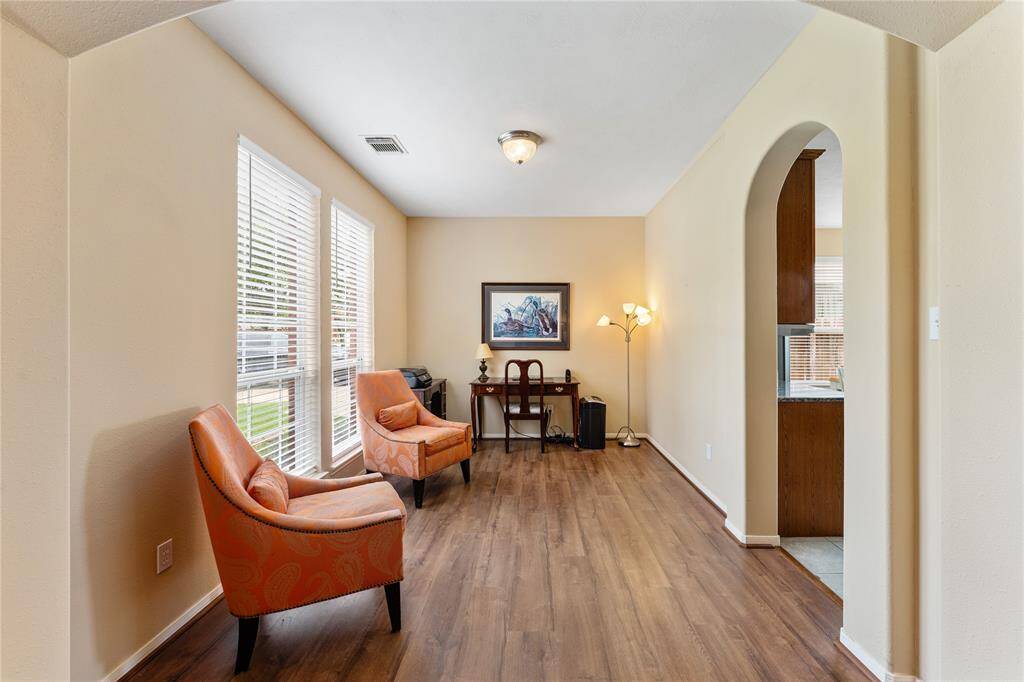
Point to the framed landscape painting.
(524, 316)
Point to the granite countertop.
(802, 393)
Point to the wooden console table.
(553, 386)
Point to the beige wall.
(711, 277)
(828, 242)
(154, 123)
(34, 359)
(972, 538)
(602, 259)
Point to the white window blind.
(818, 356)
(278, 389)
(351, 319)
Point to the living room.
(594, 186)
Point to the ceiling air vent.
(385, 144)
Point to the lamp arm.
(630, 320)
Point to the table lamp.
(636, 316)
(483, 354)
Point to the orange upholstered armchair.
(402, 437)
(324, 538)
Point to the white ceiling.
(73, 26)
(625, 94)
(929, 23)
(828, 180)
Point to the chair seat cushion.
(361, 500)
(398, 416)
(516, 408)
(437, 438)
(269, 487)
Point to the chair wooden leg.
(393, 593)
(543, 430)
(506, 435)
(465, 470)
(248, 628)
(417, 492)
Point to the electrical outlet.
(707, 451)
(164, 555)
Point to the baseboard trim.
(858, 652)
(749, 541)
(870, 662)
(752, 541)
(693, 480)
(167, 634)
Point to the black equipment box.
(416, 377)
(592, 414)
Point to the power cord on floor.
(555, 434)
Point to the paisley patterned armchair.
(415, 451)
(335, 537)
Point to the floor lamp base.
(630, 441)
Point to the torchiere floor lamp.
(636, 316)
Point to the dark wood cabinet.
(795, 242)
(811, 468)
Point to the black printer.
(416, 377)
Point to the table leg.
(473, 407)
(480, 403)
(575, 418)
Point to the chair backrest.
(377, 390)
(521, 392)
(224, 454)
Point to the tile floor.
(821, 556)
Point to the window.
(816, 357)
(277, 349)
(351, 320)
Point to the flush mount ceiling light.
(519, 146)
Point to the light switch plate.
(933, 323)
(164, 555)
(707, 451)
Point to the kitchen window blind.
(818, 356)
(351, 319)
(277, 348)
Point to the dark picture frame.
(536, 315)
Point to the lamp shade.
(628, 308)
(640, 310)
(603, 321)
(644, 319)
(483, 352)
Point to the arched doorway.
(794, 414)
(810, 362)
(760, 347)
(879, 427)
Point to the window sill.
(343, 461)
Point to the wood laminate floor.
(568, 565)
